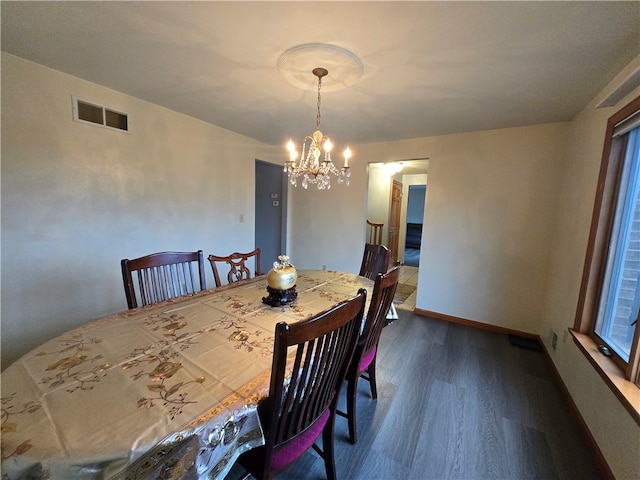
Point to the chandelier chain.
(318, 114)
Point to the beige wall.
(378, 192)
(506, 219)
(327, 227)
(487, 227)
(76, 199)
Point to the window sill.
(627, 392)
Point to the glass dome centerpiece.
(281, 283)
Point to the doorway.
(379, 202)
(270, 212)
(379, 198)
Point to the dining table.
(166, 391)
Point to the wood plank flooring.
(455, 402)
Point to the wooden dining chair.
(363, 363)
(238, 266)
(162, 276)
(375, 260)
(375, 232)
(310, 360)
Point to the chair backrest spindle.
(375, 232)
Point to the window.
(619, 298)
(610, 294)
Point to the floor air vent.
(527, 343)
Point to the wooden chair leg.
(371, 370)
(327, 448)
(352, 390)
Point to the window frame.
(602, 220)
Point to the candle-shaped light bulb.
(347, 156)
(328, 146)
(292, 151)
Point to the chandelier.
(313, 167)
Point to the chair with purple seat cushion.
(301, 408)
(375, 260)
(363, 363)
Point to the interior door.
(394, 219)
(270, 212)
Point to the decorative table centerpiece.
(281, 283)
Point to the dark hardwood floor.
(455, 402)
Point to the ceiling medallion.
(295, 64)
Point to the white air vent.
(86, 112)
(628, 85)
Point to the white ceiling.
(429, 68)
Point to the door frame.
(393, 236)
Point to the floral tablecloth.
(167, 391)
